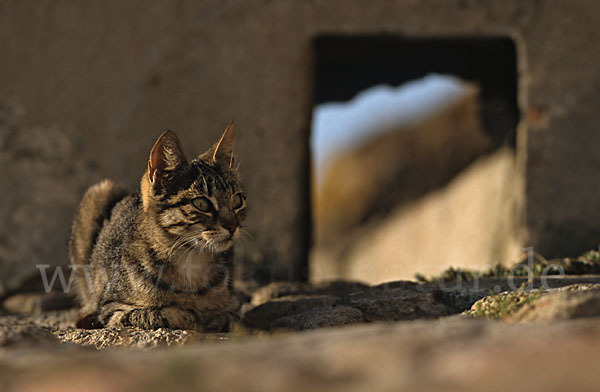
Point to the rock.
(571, 302)
(447, 353)
(36, 303)
(541, 305)
(302, 306)
(299, 306)
(314, 318)
(281, 289)
(435, 355)
(26, 336)
(59, 327)
(56, 320)
(393, 305)
(503, 305)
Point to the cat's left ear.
(166, 159)
(222, 152)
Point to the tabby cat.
(163, 257)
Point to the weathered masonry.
(101, 80)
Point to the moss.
(499, 306)
(460, 274)
(588, 263)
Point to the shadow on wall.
(417, 198)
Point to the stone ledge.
(301, 306)
(453, 354)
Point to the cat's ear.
(166, 158)
(222, 152)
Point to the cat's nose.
(231, 228)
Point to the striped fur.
(161, 257)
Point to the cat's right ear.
(166, 159)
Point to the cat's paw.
(116, 319)
(144, 318)
(89, 321)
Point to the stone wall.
(110, 76)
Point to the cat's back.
(118, 231)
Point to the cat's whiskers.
(180, 242)
(187, 240)
(212, 239)
(186, 254)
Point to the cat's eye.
(202, 204)
(238, 201)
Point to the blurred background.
(376, 140)
(417, 173)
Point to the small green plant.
(499, 306)
(593, 256)
(420, 278)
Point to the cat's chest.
(192, 269)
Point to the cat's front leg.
(180, 318)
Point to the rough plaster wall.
(42, 177)
(562, 148)
(114, 74)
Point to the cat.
(161, 257)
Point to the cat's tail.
(95, 207)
